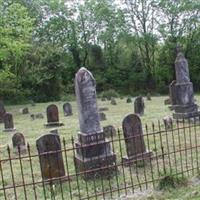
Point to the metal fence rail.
(175, 152)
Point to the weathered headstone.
(32, 103)
(51, 160)
(185, 106)
(109, 131)
(67, 108)
(8, 122)
(19, 143)
(168, 122)
(2, 111)
(103, 109)
(93, 150)
(139, 105)
(134, 140)
(24, 110)
(39, 116)
(103, 99)
(129, 100)
(53, 116)
(113, 101)
(102, 116)
(148, 96)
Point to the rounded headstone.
(113, 101)
(8, 122)
(102, 116)
(139, 105)
(24, 110)
(19, 143)
(67, 108)
(129, 100)
(109, 131)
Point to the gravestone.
(134, 140)
(109, 131)
(103, 99)
(148, 96)
(103, 109)
(168, 122)
(129, 100)
(53, 116)
(8, 122)
(2, 111)
(185, 106)
(93, 150)
(102, 116)
(19, 143)
(67, 108)
(139, 105)
(50, 155)
(113, 101)
(39, 116)
(24, 110)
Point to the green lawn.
(32, 129)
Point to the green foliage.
(109, 94)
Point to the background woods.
(129, 46)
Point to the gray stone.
(148, 96)
(51, 160)
(168, 122)
(103, 99)
(67, 108)
(184, 105)
(139, 105)
(8, 122)
(53, 116)
(24, 110)
(19, 143)
(32, 103)
(113, 101)
(129, 100)
(54, 131)
(103, 109)
(2, 111)
(32, 116)
(39, 116)
(109, 131)
(173, 92)
(102, 116)
(93, 150)
(134, 140)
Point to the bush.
(109, 94)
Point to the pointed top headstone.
(181, 66)
(85, 87)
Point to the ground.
(32, 129)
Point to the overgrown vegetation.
(128, 46)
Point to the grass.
(33, 129)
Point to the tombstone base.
(9, 130)
(53, 124)
(89, 168)
(180, 116)
(94, 155)
(130, 160)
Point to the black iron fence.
(173, 151)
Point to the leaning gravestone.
(2, 111)
(134, 140)
(19, 143)
(51, 160)
(93, 150)
(102, 116)
(8, 122)
(109, 131)
(67, 108)
(113, 101)
(53, 116)
(139, 105)
(24, 110)
(185, 106)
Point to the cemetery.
(99, 99)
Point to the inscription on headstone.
(134, 140)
